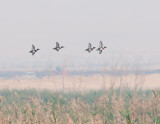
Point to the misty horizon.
(129, 29)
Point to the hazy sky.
(126, 27)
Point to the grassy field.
(114, 106)
(82, 83)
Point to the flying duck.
(57, 48)
(90, 48)
(101, 48)
(33, 51)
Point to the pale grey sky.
(126, 27)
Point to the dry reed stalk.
(3, 99)
(3, 120)
(16, 94)
(69, 119)
(52, 119)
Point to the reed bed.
(114, 106)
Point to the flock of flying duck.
(58, 47)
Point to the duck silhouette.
(57, 48)
(33, 51)
(101, 48)
(90, 48)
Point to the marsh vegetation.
(94, 107)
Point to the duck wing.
(57, 44)
(100, 44)
(33, 53)
(33, 47)
(100, 51)
(89, 45)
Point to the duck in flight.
(101, 48)
(57, 48)
(90, 48)
(33, 51)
